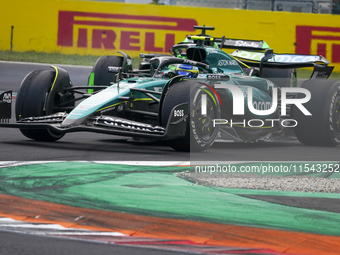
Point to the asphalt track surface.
(26, 244)
(92, 146)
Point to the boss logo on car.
(218, 77)
(178, 113)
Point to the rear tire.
(100, 70)
(200, 133)
(323, 127)
(281, 77)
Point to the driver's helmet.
(187, 70)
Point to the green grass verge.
(49, 58)
(53, 58)
(306, 73)
(89, 60)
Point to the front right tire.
(200, 131)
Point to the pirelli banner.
(103, 28)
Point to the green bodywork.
(219, 63)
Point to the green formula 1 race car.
(191, 98)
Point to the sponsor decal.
(178, 113)
(283, 58)
(5, 106)
(244, 43)
(114, 69)
(127, 124)
(224, 62)
(219, 77)
(323, 41)
(248, 44)
(294, 58)
(7, 98)
(129, 32)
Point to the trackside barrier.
(103, 28)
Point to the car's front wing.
(112, 125)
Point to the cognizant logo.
(239, 104)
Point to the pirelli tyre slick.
(100, 75)
(200, 131)
(281, 77)
(323, 127)
(39, 94)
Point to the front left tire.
(39, 93)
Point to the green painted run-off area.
(157, 191)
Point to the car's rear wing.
(255, 57)
(288, 61)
